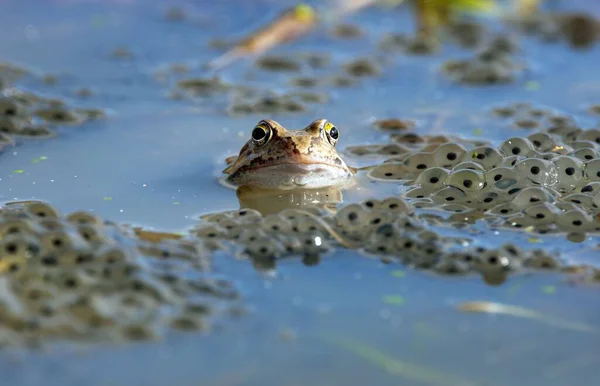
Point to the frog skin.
(277, 158)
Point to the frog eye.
(261, 134)
(332, 133)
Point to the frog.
(277, 158)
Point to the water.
(155, 162)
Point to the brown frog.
(276, 158)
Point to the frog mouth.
(298, 167)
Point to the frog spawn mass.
(388, 229)
(77, 277)
(546, 182)
(27, 114)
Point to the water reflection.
(269, 201)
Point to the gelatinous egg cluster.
(546, 182)
(78, 277)
(27, 114)
(388, 229)
(493, 65)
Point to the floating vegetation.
(521, 312)
(291, 24)
(396, 367)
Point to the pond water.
(155, 162)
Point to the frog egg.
(448, 155)
(466, 180)
(501, 178)
(34, 293)
(565, 206)
(81, 217)
(314, 245)
(112, 254)
(393, 149)
(389, 171)
(10, 125)
(582, 200)
(52, 224)
(592, 170)
(72, 258)
(252, 234)
(408, 223)
(486, 156)
(592, 135)
(426, 256)
(371, 204)
(486, 200)
(217, 218)
(507, 209)
(396, 205)
(576, 237)
(19, 245)
(9, 107)
(544, 142)
(22, 227)
(589, 188)
(454, 208)
(519, 220)
(568, 133)
(468, 165)
(410, 138)
(306, 225)
(12, 264)
(433, 178)
(418, 193)
(246, 216)
(544, 213)
(59, 114)
(570, 172)
(381, 243)
(353, 217)
(596, 201)
(233, 228)
(448, 195)
(406, 244)
(575, 221)
(493, 260)
(138, 332)
(91, 311)
(151, 287)
(92, 235)
(383, 216)
(532, 195)
(41, 210)
(276, 223)
(423, 203)
(362, 150)
(581, 144)
(510, 161)
(541, 261)
(538, 171)
(586, 154)
(59, 241)
(518, 146)
(419, 162)
(209, 231)
(451, 267)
